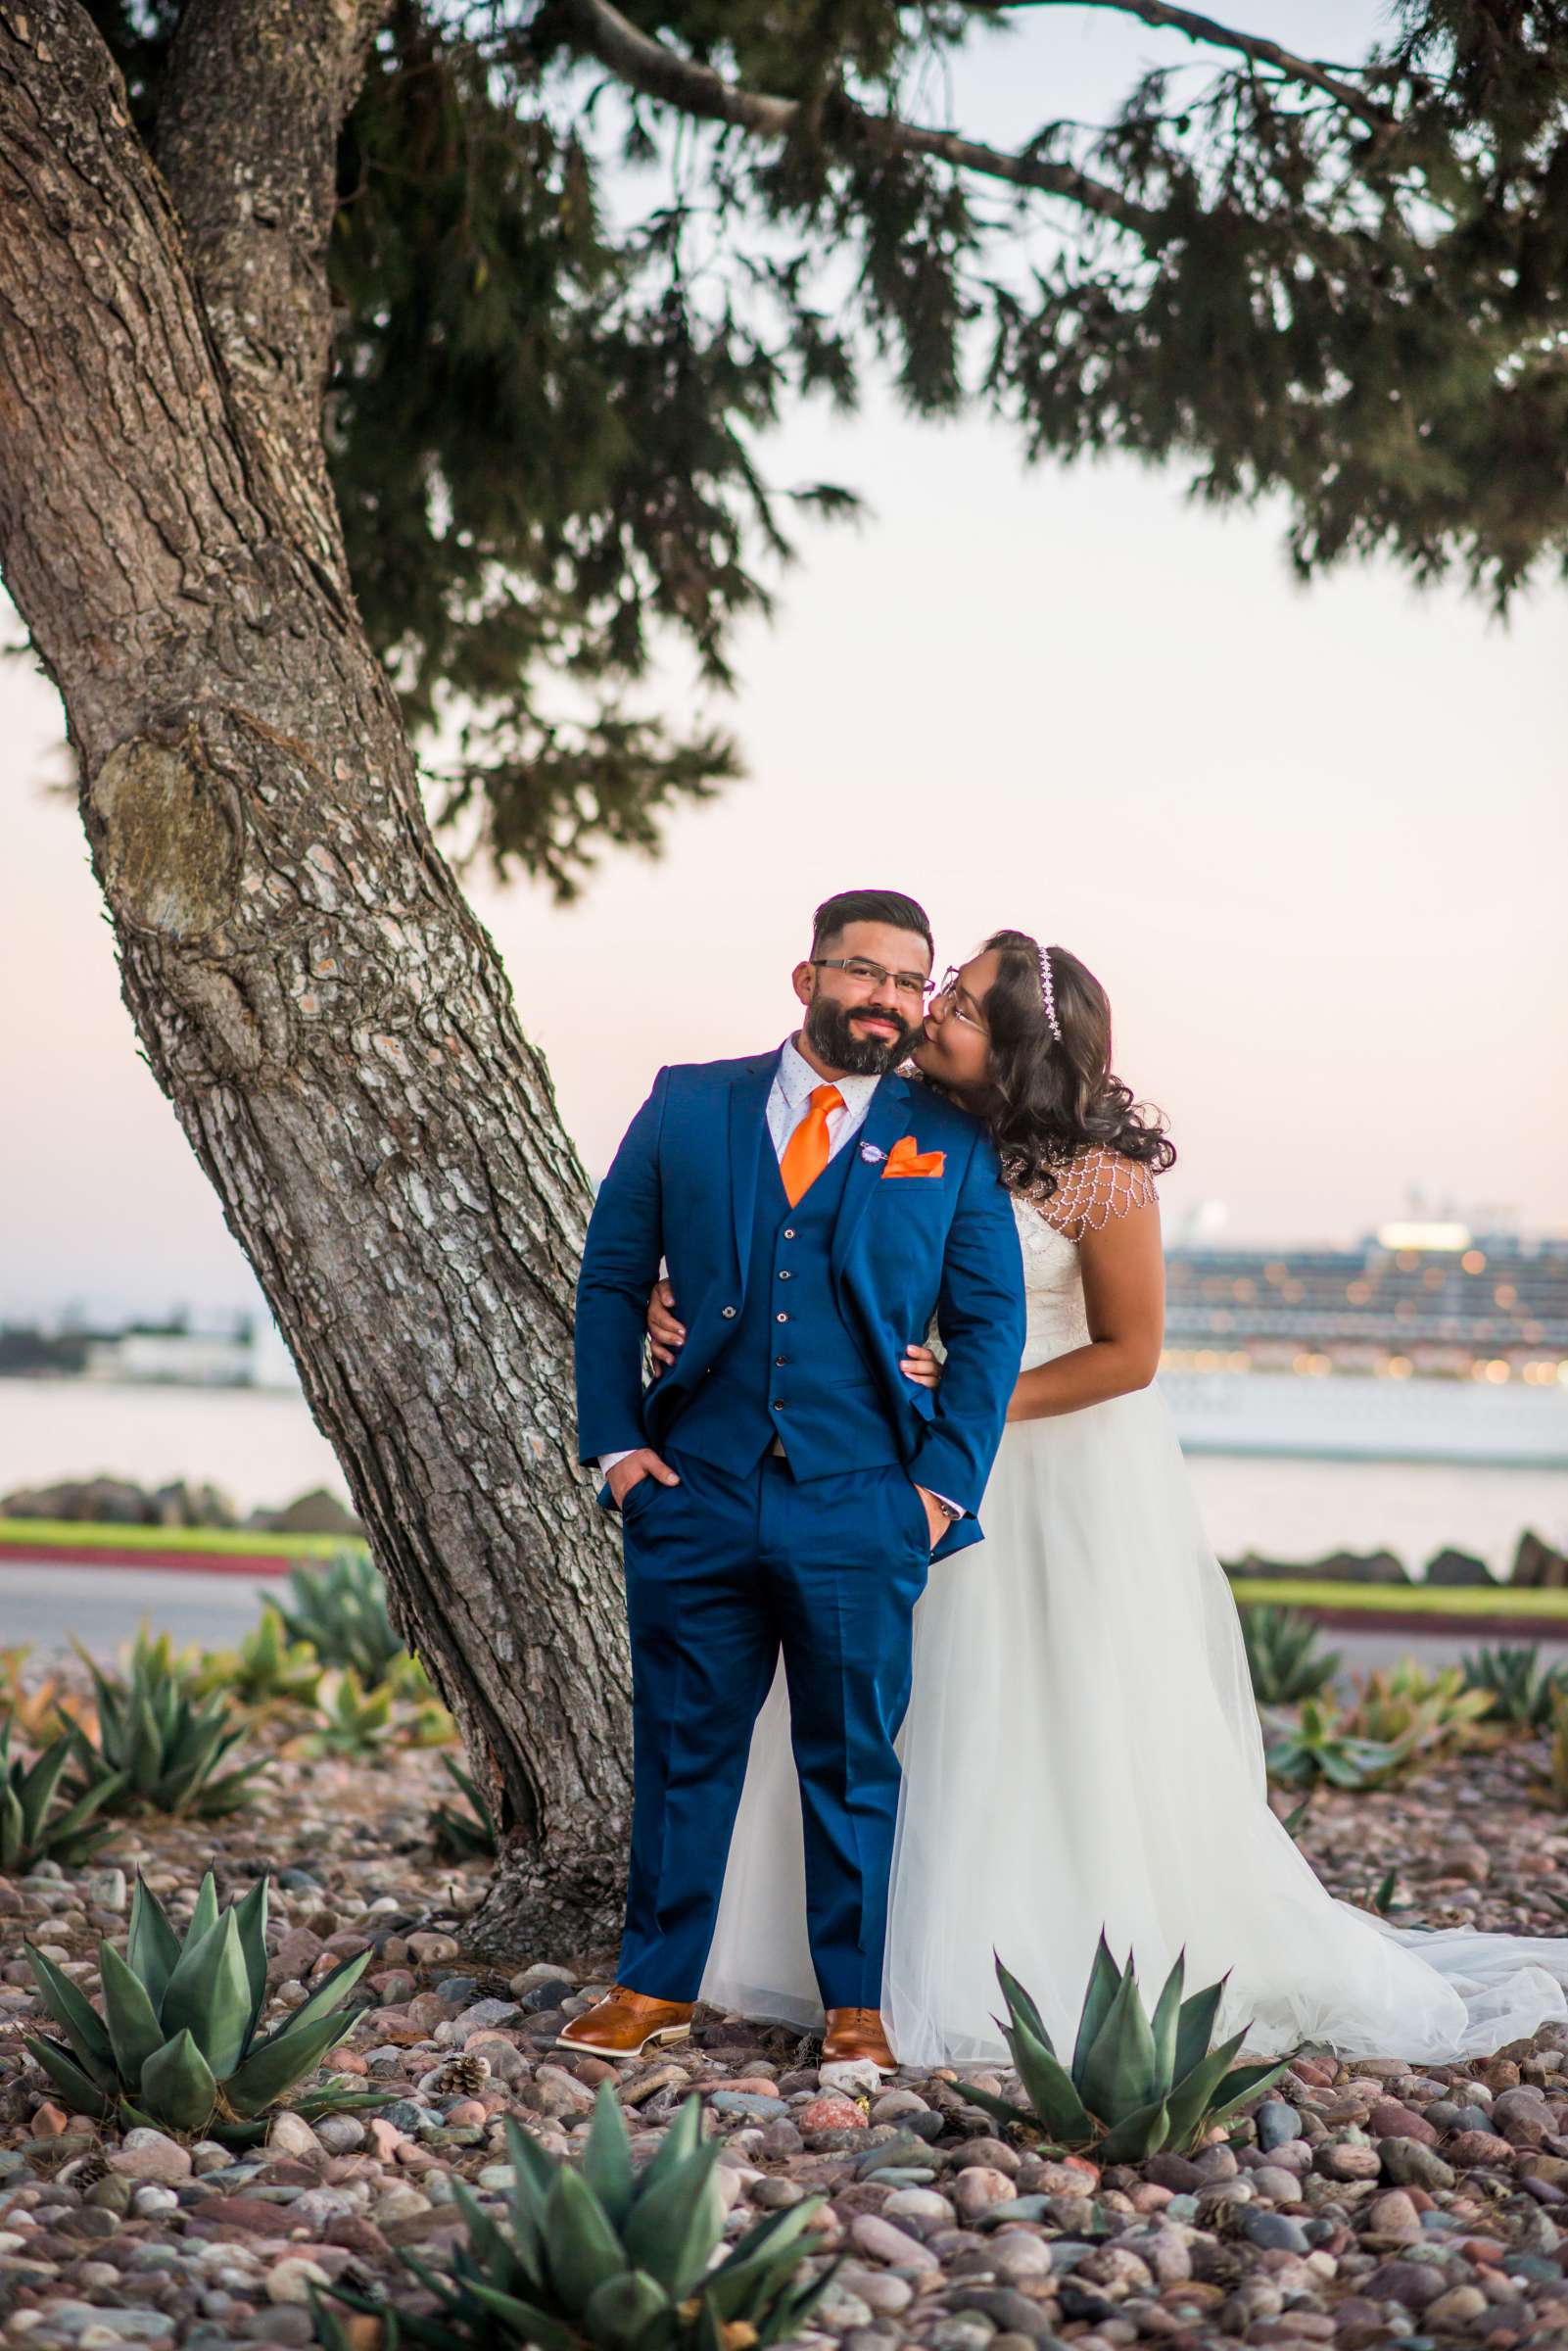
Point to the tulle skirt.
(1081, 1748)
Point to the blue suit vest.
(791, 1368)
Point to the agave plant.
(1421, 1713)
(604, 2256)
(1284, 1654)
(266, 1672)
(161, 1743)
(423, 1722)
(1518, 1686)
(352, 1720)
(1315, 1743)
(177, 2043)
(464, 1835)
(36, 1823)
(1381, 1898)
(1136, 2084)
(1558, 1770)
(341, 1609)
(38, 1712)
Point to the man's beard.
(829, 1032)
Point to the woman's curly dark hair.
(1049, 1101)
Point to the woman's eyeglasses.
(947, 996)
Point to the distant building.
(174, 1357)
(1433, 1299)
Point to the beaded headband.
(1048, 994)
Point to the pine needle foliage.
(586, 257)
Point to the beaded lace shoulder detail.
(1092, 1189)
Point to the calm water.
(262, 1447)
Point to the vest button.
(780, 1317)
(790, 1232)
(729, 1314)
(783, 1276)
(781, 1361)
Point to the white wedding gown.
(1082, 1748)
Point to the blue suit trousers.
(723, 1571)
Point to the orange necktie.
(806, 1152)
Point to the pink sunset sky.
(1313, 841)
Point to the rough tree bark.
(324, 1010)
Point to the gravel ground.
(1357, 2205)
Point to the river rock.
(1416, 2283)
(978, 2188)
(851, 2077)
(1277, 2122)
(1474, 2149)
(146, 2154)
(1389, 2119)
(892, 2246)
(291, 2279)
(830, 2113)
(1412, 2163)
(1346, 2159)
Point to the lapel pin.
(871, 1153)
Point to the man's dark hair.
(833, 915)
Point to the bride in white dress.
(1082, 1748)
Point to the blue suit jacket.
(682, 1187)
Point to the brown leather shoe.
(626, 2023)
(857, 2033)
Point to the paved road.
(45, 1602)
(1362, 1652)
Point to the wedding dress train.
(1082, 1749)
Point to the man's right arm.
(621, 1259)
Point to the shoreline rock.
(109, 1500)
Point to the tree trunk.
(324, 1010)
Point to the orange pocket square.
(904, 1160)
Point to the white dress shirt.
(789, 1099)
(794, 1081)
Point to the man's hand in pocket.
(645, 1463)
(936, 1518)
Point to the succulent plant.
(36, 1823)
(1519, 1686)
(160, 1744)
(1423, 1714)
(341, 1609)
(1381, 1898)
(606, 2257)
(39, 1710)
(463, 1835)
(178, 2043)
(351, 1720)
(1285, 1655)
(266, 1671)
(1557, 1773)
(1316, 1743)
(1136, 2084)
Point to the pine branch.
(660, 73)
(1253, 45)
(253, 99)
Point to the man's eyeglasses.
(947, 994)
(857, 967)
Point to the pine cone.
(463, 2077)
(88, 2168)
(1217, 2265)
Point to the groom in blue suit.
(783, 1485)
